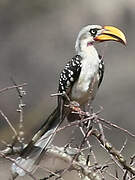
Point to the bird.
(79, 80)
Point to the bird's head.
(92, 34)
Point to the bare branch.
(115, 153)
(9, 123)
(12, 87)
(123, 147)
(117, 127)
(76, 159)
(13, 161)
(78, 164)
(20, 109)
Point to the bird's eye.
(93, 32)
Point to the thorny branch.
(76, 160)
(9, 123)
(12, 87)
(113, 151)
(13, 161)
(21, 92)
(18, 135)
(78, 164)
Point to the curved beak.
(111, 33)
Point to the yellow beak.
(111, 33)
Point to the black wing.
(70, 74)
(101, 69)
(67, 78)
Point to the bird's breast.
(86, 85)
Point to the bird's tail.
(31, 154)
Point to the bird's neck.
(88, 52)
(90, 60)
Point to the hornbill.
(80, 80)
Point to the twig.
(101, 131)
(115, 153)
(123, 147)
(56, 94)
(125, 175)
(56, 173)
(88, 143)
(78, 164)
(117, 127)
(9, 123)
(12, 87)
(111, 175)
(61, 94)
(132, 159)
(21, 93)
(13, 161)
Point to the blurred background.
(37, 38)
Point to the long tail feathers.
(31, 154)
